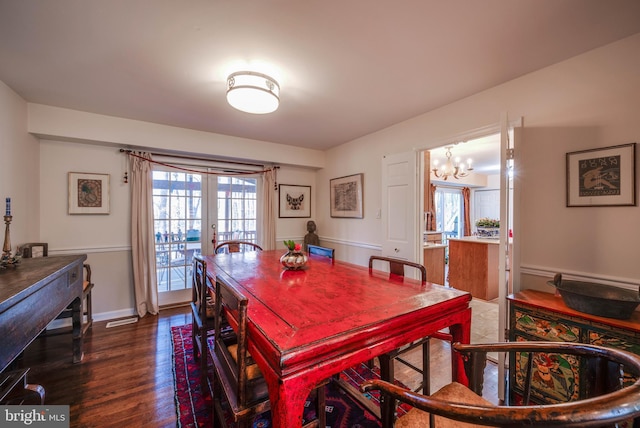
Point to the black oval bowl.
(598, 299)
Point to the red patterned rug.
(194, 406)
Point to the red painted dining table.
(307, 325)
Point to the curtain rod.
(196, 158)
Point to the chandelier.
(253, 92)
(455, 168)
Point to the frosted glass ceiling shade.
(253, 92)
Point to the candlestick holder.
(7, 259)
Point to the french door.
(178, 201)
(185, 204)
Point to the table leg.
(460, 332)
(387, 406)
(287, 402)
(76, 319)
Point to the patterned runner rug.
(193, 405)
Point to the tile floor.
(484, 329)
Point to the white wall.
(19, 169)
(585, 102)
(104, 238)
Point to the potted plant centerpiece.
(488, 227)
(295, 258)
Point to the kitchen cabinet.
(473, 266)
(434, 262)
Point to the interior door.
(400, 221)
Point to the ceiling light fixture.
(455, 169)
(253, 92)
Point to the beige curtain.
(269, 200)
(466, 194)
(142, 240)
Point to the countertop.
(431, 245)
(477, 240)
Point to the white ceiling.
(346, 69)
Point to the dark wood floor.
(126, 376)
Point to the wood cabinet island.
(473, 266)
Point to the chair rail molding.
(549, 272)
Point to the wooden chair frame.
(87, 288)
(236, 246)
(396, 266)
(387, 372)
(201, 324)
(235, 376)
(613, 405)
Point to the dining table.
(307, 325)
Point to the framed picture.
(346, 196)
(88, 193)
(295, 201)
(602, 177)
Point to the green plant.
(487, 222)
(292, 246)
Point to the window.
(449, 212)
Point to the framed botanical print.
(295, 201)
(346, 196)
(88, 193)
(602, 177)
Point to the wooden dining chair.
(609, 398)
(397, 266)
(321, 251)
(237, 378)
(235, 246)
(387, 371)
(41, 249)
(202, 313)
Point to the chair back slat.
(199, 292)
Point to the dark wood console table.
(32, 295)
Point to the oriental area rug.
(193, 406)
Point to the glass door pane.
(177, 209)
(237, 208)
(449, 212)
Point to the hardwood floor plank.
(126, 377)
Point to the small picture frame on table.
(346, 196)
(295, 201)
(88, 193)
(602, 177)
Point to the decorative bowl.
(293, 260)
(597, 299)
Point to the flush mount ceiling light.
(455, 169)
(253, 92)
